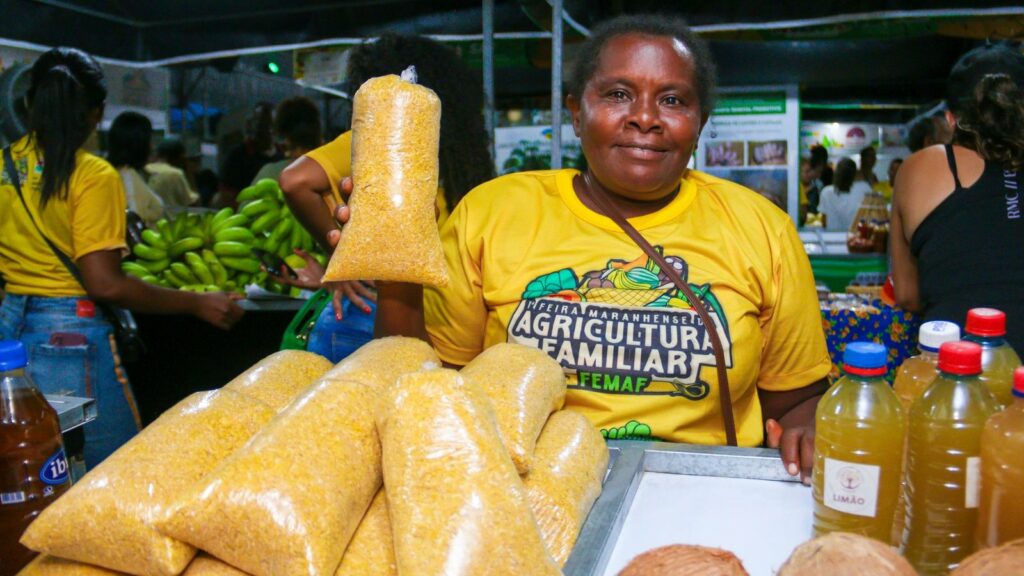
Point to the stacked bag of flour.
(383, 464)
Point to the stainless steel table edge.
(630, 459)
(72, 411)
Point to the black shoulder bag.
(126, 331)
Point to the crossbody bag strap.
(725, 394)
(12, 174)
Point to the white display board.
(752, 139)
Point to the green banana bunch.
(199, 268)
(234, 249)
(235, 234)
(213, 251)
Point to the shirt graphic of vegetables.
(639, 283)
(633, 430)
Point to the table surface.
(760, 521)
(72, 411)
(657, 494)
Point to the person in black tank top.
(969, 250)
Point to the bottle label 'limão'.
(851, 488)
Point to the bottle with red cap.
(943, 461)
(1001, 510)
(858, 455)
(987, 327)
(33, 468)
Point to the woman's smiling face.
(639, 116)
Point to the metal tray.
(739, 499)
(72, 411)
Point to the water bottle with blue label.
(33, 467)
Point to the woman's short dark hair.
(465, 159)
(129, 140)
(298, 120)
(66, 88)
(589, 54)
(846, 172)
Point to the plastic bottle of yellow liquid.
(857, 465)
(943, 461)
(914, 375)
(917, 372)
(987, 327)
(1001, 510)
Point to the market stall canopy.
(156, 32)
(895, 51)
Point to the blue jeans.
(336, 339)
(75, 355)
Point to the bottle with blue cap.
(858, 448)
(1001, 509)
(33, 467)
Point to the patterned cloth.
(878, 322)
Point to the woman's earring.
(964, 127)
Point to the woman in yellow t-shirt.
(533, 258)
(77, 201)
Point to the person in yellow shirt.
(167, 179)
(534, 258)
(464, 157)
(54, 191)
(885, 188)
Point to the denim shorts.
(73, 352)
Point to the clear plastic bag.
(371, 552)
(392, 233)
(569, 468)
(108, 518)
(290, 500)
(46, 565)
(456, 504)
(279, 378)
(525, 386)
(206, 565)
(381, 361)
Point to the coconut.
(842, 554)
(685, 560)
(999, 561)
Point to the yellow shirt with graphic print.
(529, 263)
(335, 158)
(90, 219)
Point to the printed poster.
(752, 138)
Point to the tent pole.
(556, 84)
(488, 33)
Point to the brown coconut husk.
(685, 560)
(1002, 560)
(842, 554)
